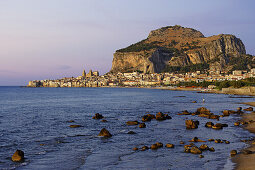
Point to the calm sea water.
(35, 121)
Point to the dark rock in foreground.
(18, 156)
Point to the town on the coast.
(172, 57)
(136, 79)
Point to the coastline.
(246, 161)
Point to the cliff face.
(177, 47)
(144, 61)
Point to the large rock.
(190, 124)
(18, 156)
(105, 133)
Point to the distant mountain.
(179, 49)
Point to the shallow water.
(35, 121)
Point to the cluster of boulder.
(154, 146)
(159, 116)
(148, 117)
(243, 122)
(201, 112)
(215, 126)
(219, 141)
(192, 148)
(238, 111)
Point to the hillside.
(179, 49)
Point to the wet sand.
(246, 161)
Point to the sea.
(36, 121)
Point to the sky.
(50, 39)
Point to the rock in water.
(226, 112)
(239, 109)
(201, 156)
(18, 156)
(74, 126)
(168, 145)
(160, 116)
(98, 116)
(249, 109)
(195, 150)
(135, 149)
(203, 147)
(190, 124)
(131, 132)
(209, 124)
(132, 122)
(203, 110)
(154, 146)
(233, 153)
(212, 149)
(217, 126)
(142, 125)
(105, 133)
(159, 144)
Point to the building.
(84, 73)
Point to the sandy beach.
(246, 161)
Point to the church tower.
(84, 73)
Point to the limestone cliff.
(176, 46)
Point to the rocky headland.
(174, 47)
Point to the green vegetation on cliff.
(140, 46)
(143, 46)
